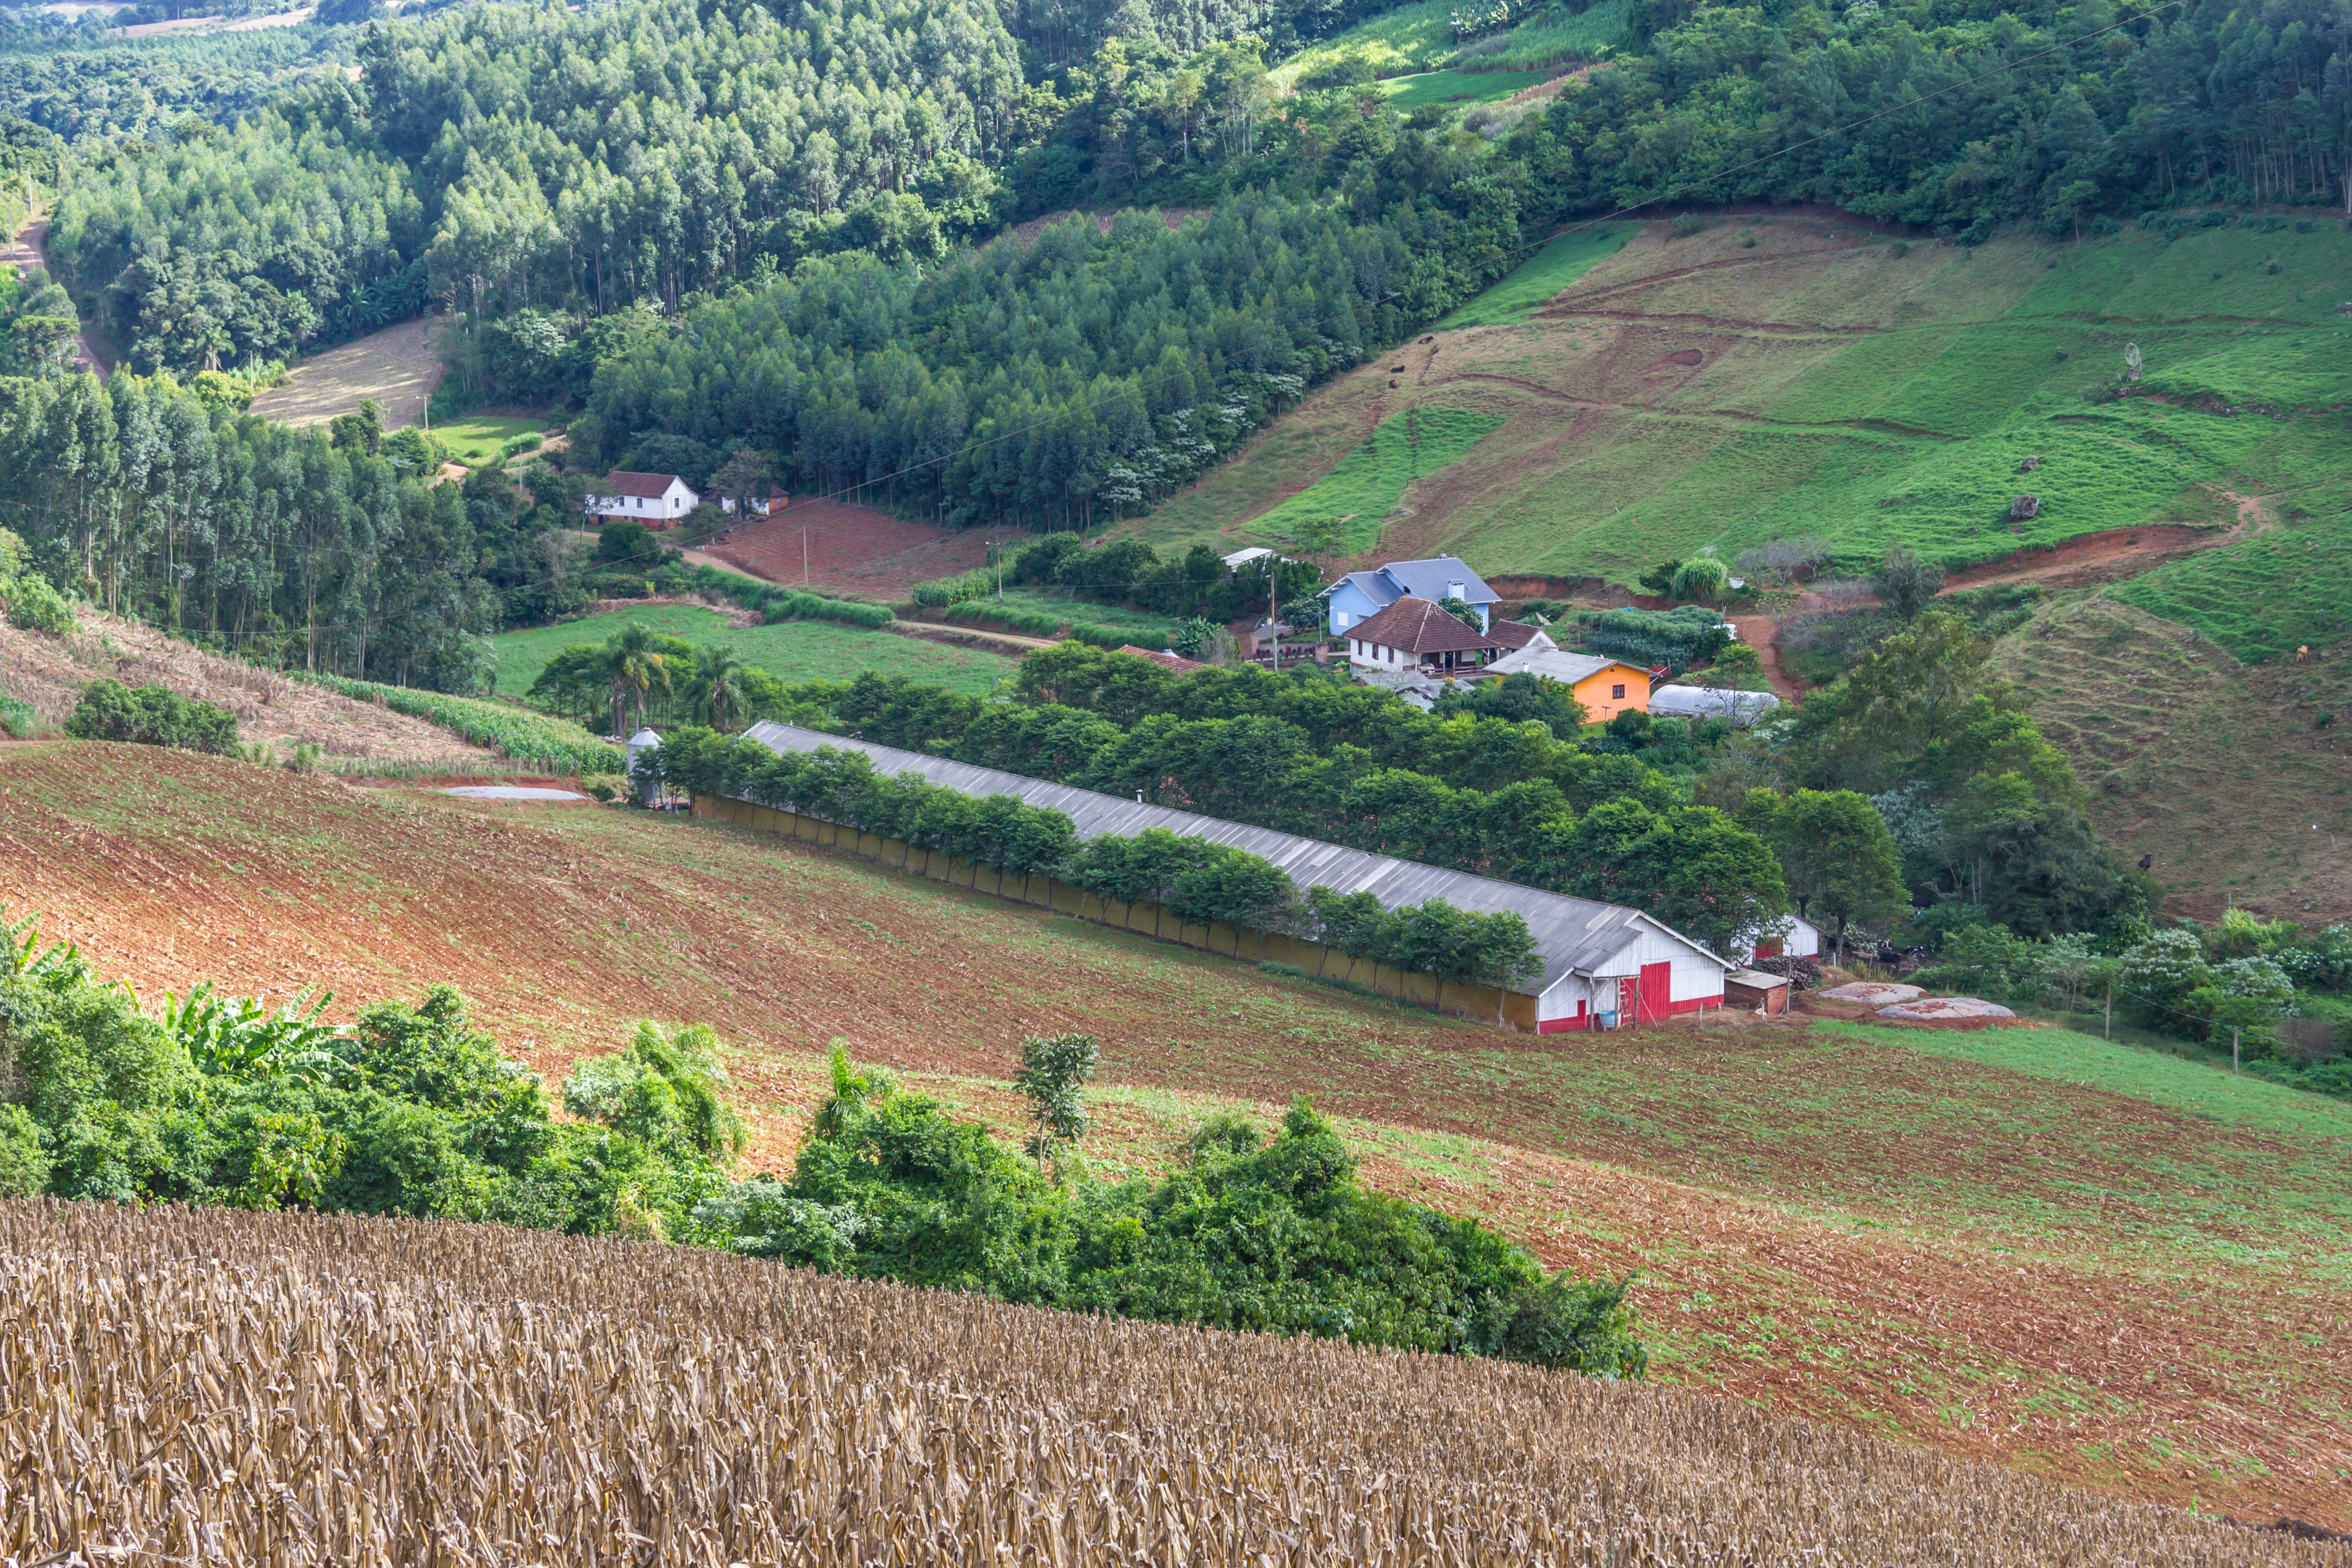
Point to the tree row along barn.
(1604, 965)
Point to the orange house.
(1606, 686)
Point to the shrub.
(33, 605)
(793, 606)
(411, 1111)
(151, 714)
(941, 592)
(1671, 637)
(1267, 1235)
(1701, 578)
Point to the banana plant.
(239, 1037)
(21, 953)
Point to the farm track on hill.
(2049, 1274)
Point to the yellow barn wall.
(1142, 918)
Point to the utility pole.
(2107, 1025)
(804, 572)
(2234, 1032)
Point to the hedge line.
(787, 603)
(1199, 882)
(521, 737)
(1671, 637)
(1037, 623)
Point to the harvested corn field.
(217, 1386)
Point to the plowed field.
(864, 550)
(2094, 1263)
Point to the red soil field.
(1827, 1223)
(856, 549)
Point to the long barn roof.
(1572, 936)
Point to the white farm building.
(1604, 965)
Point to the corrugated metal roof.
(1371, 585)
(1573, 936)
(1429, 578)
(1546, 659)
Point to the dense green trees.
(2209, 101)
(1982, 811)
(75, 82)
(1327, 759)
(150, 501)
(1060, 383)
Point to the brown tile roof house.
(1414, 632)
(1513, 634)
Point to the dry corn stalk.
(211, 1386)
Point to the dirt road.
(28, 249)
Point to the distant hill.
(1767, 377)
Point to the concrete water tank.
(645, 740)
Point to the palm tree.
(719, 694)
(635, 668)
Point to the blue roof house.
(1361, 595)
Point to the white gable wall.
(1694, 983)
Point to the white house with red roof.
(657, 500)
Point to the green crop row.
(1039, 623)
(523, 736)
(942, 591)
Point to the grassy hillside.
(2237, 780)
(793, 650)
(1418, 40)
(1767, 377)
(2079, 1259)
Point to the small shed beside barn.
(1753, 988)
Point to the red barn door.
(1657, 994)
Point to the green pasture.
(1458, 86)
(1415, 40)
(1367, 483)
(1560, 262)
(476, 438)
(1550, 36)
(1396, 43)
(1916, 430)
(2178, 1084)
(2268, 594)
(793, 649)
